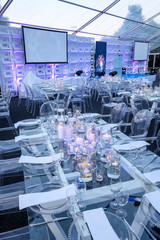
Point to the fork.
(148, 231)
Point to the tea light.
(99, 177)
(60, 130)
(106, 136)
(90, 136)
(79, 140)
(115, 163)
(68, 132)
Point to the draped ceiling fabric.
(117, 19)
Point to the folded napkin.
(154, 199)
(154, 99)
(31, 199)
(153, 176)
(107, 127)
(99, 225)
(132, 145)
(24, 137)
(39, 160)
(89, 115)
(27, 123)
(123, 93)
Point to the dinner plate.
(151, 167)
(150, 212)
(118, 225)
(50, 207)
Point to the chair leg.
(157, 121)
(90, 101)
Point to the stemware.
(65, 156)
(141, 158)
(115, 187)
(71, 200)
(81, 188)
(122, 199)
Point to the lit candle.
(115, 163)
(99, 177)
(60, 130)
(106, 136)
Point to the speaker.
(79, 72)
(113, 73)
(123, 70)
(153, 71)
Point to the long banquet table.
(97, 194)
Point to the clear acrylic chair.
(16, 234)
(8, 147)
(140, 123)
(118, 113)
(37, 98)
(48, 109)
(138, 103)
(106, 103)
(77, 98)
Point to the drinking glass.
(81, 189)
(114, 168)
(122, 199)
(115, 187)
(141, 158)
(65, 157)
(61, 111)
(99, 173)
(71, 199)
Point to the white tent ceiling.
(122, 19)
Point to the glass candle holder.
(114, 169)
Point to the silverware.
(148, 231)
(54, 220)
(131, 229)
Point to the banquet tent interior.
(79, 119)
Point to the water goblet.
(122, 199)
(115, 187)
(141, 158)
(81, 189)
(71, 199)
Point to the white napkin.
(24, 137)
(107, 127)
(88, 115)
(154, 199)
(39, 160)
(28, 123)
(99, 225)
(153, 176)
(31, 199)
(132, 145)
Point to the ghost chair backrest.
(141, 122)
(118, 113)
(48, 109)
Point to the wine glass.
(122, 199)
(115, 187)
(133, 154)
(65, 157)
(141, 158)
(81, 188)
(71, 199)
